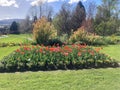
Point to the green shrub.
(55, 42)
(112, 39)
(64, 38)
(51, 58)
(1, 67)
(118, 33)
(27, 42)
(9, 44)
(96, 40)
(43, 31)
(82, 36)
(79, 35)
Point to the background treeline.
(103, 19)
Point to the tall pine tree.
(78, 16)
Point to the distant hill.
(9, 21)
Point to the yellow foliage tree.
(43, 31)
(78, 35)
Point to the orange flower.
(33, 47)
(41, 50)
(65, 53)
(98, 49)
(79, 53)
(89, 50)
(47, 48)
(18, 50)
(22, 53)
(67, 49)
(53, 49)
(27, 48)
(82, 46)
(92, 53)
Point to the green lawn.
(86, 79)
(91, 79)
(4, 51)
(22, 38)
(15, 38)
(113, 51)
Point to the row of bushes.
(45, 33)
(10, 44)
(82, 36)
(90, 40)
(50, 42)
(53, 58)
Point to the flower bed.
(53, 58)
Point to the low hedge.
(82, 36)
(9, 44)
(53, 58)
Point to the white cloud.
(38, 2)
(8, 3)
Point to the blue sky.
(19, 8)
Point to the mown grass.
(15, 38)
(4, 51)
(93, 79)
(12, 38)
(86, 79)
(113, 51)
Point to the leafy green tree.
(107, 17)
(63, 19)
(14, 28)
(68, 20)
